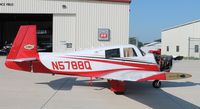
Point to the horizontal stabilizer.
(22, 59)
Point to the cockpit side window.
(129, 52)
(112, 53)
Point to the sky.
(149, 17)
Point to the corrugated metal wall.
(38, 6)
(93, 15)
(64, 32)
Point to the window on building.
(129, 52)
(177, 48)
(167, 48)
(196, 48)
(112, 53)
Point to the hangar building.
(182, 40)
(67, 24)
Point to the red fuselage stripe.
(142, 66)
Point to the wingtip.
(175, 76)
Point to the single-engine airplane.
(117, 64)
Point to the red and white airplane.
(117, 64)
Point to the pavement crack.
(53, 95)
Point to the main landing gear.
(156, 84)
(118, 87)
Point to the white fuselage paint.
(81, 61)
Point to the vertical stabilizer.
(25, 43)
(24, 49)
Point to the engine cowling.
(165, 62)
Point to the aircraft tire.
(156, 84)
(119, 93)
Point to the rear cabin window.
(129, 52)
(113, 53)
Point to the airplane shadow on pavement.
(61, 84)
(140, 92)
(158, 98)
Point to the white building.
(182, 40)
(68, 24)
(151, 46)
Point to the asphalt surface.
(23, 90)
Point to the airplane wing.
(135, 75)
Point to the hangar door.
(64, 29)
(10, 23)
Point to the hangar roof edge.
(180, 25)
(125, 1)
